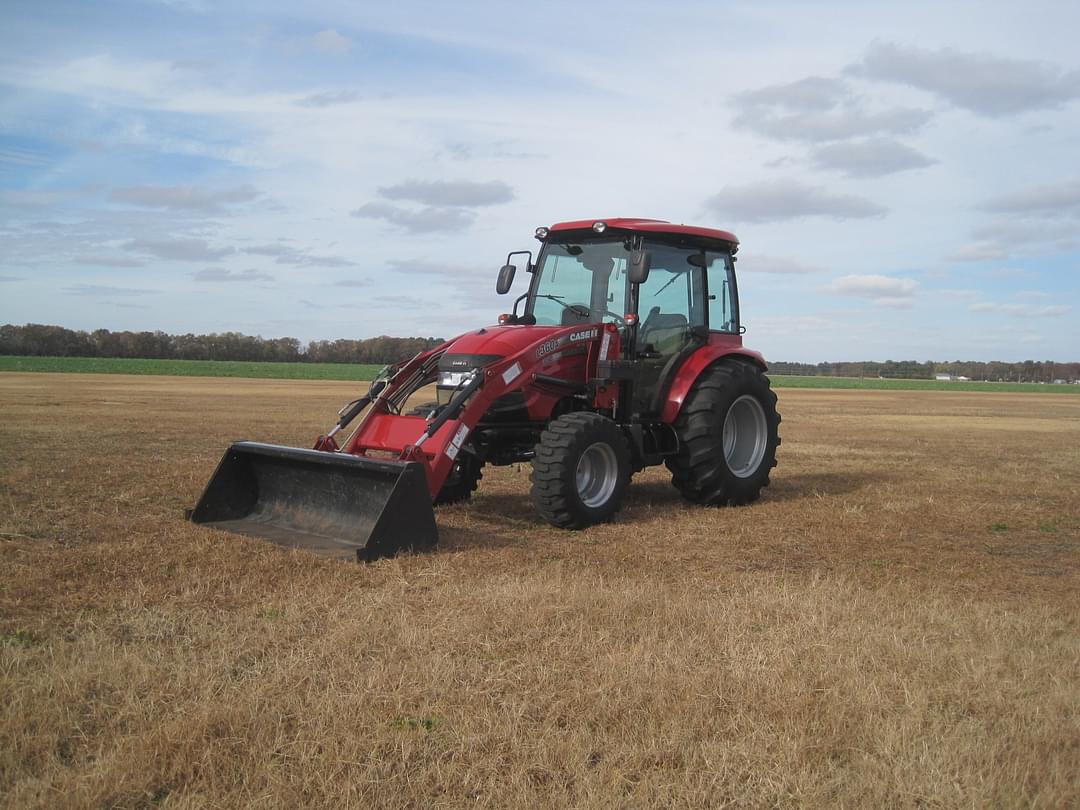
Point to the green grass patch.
(357, 371)
(191, 368)
(784, 381)
(429, 723)
(18, 638)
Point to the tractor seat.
(665, 333)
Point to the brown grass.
(894, 624)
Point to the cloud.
(183, 250)
(882, 290)
(331, 41)
(1022, 310)
(779, 265)
(287, 254)
(218, 274)
(329, 98)
(812, 94)
(985, 84)
(1011, 232)
(869, 158)
(353, 282)
(1050, 200)
(957, 293)
(109, 261)
(426, 267)
(400, 301)
(445, 204)
(184, 198)
(501, 148)
(99, 290)
(22, 198)
(456, 193)
(817, 109)
(1011, 272)
(18, 156)
(977, 253)
(429, 219)
(796, 324)
(7, 279)
(782, 200)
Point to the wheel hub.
(745, 436)
(596, 475)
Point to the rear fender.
(719, 347)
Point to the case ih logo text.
(587, 334)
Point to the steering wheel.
(619, 318)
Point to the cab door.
(671, 319)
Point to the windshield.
(582, 282)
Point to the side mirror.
(506, 278)
(637, 269)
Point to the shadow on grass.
(796, 486)
(782, 487)
(503, 520)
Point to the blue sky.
(904, 179)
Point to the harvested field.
(894, 624)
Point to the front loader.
(627, 353)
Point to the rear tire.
(580, 470)
(728, 435)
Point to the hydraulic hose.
(453, 408)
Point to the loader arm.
(374, 497)
(436, 443)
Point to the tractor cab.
(666, 288)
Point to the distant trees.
(55, 341)
(372, 350)
(994, 371)
(904, 369)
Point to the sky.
(904, 178)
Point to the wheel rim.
(596, 475)
(745, 436)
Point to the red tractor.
(626, 352)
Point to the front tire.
(464, 476)
(580, 470)
(462, 481)
(728, 435)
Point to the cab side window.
(670, 301)
(722, 314)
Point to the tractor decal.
(587, 334)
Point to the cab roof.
(647, 226)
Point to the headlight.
(448, 382)
(452, 379)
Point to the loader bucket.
(333, 504)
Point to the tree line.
(56, 341)
(40, 340)
(1045, 371)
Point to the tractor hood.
(483, 346)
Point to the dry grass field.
(895, 624)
